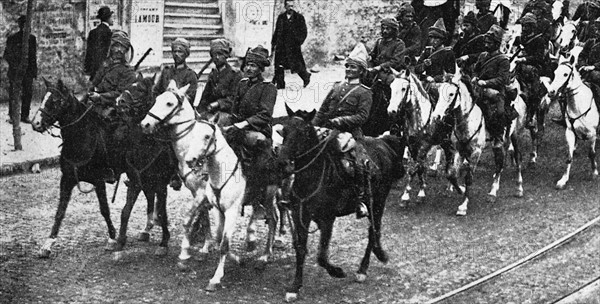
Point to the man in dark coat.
(588, 61)
(180, 72)
(435, 60)
(12, 54)
(98, 42)
(346, 108)
(409, 32)
(485, 17)
(492, 74)
(288, 37)
(470, 42)
(530, 64)
(222, 82)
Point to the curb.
(24, 167)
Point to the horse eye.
(566, 74)
(207, 136)
(169, 104)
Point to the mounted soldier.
(531, 59)
(485, 17)
(436, 60)
(491, 76)
(180, 72)
(470, 42)
(346, 108)
(222, 82)
(409, 32)
(543, 14)
(386, 55)
(586, 12)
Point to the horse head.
(448, 100)
(400, 91)
(565, 77)
(297, 136)
(170, 108)
(568, 36)
(55, 106)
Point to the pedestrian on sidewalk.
(288, 37)
(98, 42)
(12, 54)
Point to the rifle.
(204, 68)
(137, 65)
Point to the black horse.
(322, 191)
(90, 146)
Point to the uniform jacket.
(112, 79)
(411, 36)
(182, 76)
(353, 110)
(12, 54)
(590, 55)
(288, 37)
(534, 50)
(254, 102)
(485, 21)
(220, 87)
(388, 54)
(469, 45)
(98, 43)
(442, 60)
(494, 68)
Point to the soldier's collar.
(353, 81)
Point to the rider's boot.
(361, 185)
(109, 176)
(176, 182)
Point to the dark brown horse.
(90, 146)
(322, 191)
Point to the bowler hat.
(104, 13)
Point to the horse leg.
(105, 211)
(326, 227)
(570, 136)
(405, 198)
(462, 209)
(144, 235)
(518, 161)
(436, 161)
(251, 231)
(225, 229)
(132, 194)
(190, 214)
(66, 188)
(161, 212)
(374, 244)
(301, 219)
(592, 157)
(499, 162)
(272, 219)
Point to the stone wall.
(58, 26)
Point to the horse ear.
(407, 73)
(396, 73)
(140, 77)
(289, 111)
(183, 90)
(154, 78)
(311, 115)
(61, 85)
(571, 59)
(172, 85)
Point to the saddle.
(595, 92)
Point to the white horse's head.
(400, 88)
(565, 76)
(568, 35)
(205, 140)
(448, 100)
(170, 108)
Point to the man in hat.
(435, 60)
(288, 37)
(98, 42)
(180, 72)
(346, 108)
(222, 82)
(12, 54)
(530, 62)
(485, 17)
(470, 42)
(409, 32)
(492, 74)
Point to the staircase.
(198, 21)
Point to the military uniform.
(442, 60)
(182, 75)
(388, 54)
(349, 104)
(220, 88)
(111, 80)
(254, 102)
(411, 36)
(485, 20)
(590, 55)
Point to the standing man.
(288, 37)
(222, 82)
(12, 54)
(409, 32)
(98, 42)
(485, 17)
(180, 72)
(346, 108)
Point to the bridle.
(170, 115)
(321, 145)
(54, 117)
(569, 92)
(453, 110)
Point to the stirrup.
(361, 210)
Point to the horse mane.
(414, 79)
(467, 82)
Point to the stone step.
(195, 40)
(207, 8)
(192, 30)
(184, 18)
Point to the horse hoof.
(337, 272)
(461, 212)
(360, 278)
(213, 287)
(519, 193)
(492, 199)
(381, 255)
(560, 187)
(183, 265)
(118, 256)
(44, 253)
(111, 245)
(201, 257)
(250, 246)
(161, 251)
(403, 204)
(532, 164)
(291, 297)
(144, 237)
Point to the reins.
(569, 92)
(322, 143)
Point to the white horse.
(455, 101)
(568, 41)
(195, 141)
(581, 113)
